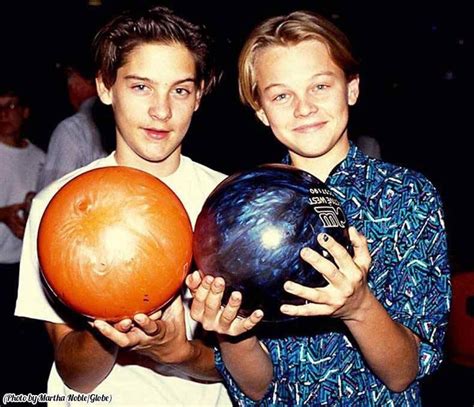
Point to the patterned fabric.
(400, 213)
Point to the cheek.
(338, 108)
(280, 131)
(183, 113)
(279, 119)
(130, 112)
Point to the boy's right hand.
(207, 306)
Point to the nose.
(160, 108)
(305, 106)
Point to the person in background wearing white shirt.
(153, 68)
(20, 165)
(76, 141)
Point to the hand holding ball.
(252, 228)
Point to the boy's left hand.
(208, 310)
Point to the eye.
(280, 98)
(182, 91)
(320, 86)
(140, 88)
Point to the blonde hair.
(288, 30)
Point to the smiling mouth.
(307, 128)
(157, 134)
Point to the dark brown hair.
(118, 38)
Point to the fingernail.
(99, 324)
(305, 252)
(284, 308)
(235, 296)
(325, 237)
(139, 318)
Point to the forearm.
(83, 359)
(200, 363)
(249, 364)
(389, 348)
(194, 360)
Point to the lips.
(310, 127)
(157, 134)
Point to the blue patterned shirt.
(400, 213)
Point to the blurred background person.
(369, 145)
(20, 165)
(77, 140)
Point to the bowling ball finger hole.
(82, 205)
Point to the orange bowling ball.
(113, 242)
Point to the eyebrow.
(145, 79)
(324, 73)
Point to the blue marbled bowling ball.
(252, 228)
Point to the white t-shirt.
(130, 385)
(19, 172)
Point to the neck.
(13, 140)
(321, 166)
(157, 168)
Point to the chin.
(312, 152)
(156, 158)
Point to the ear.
(103, 92)
(353, 91)
(199, 94)
(262, 116)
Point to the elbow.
(400, 384)
(398, 387)
(75, 381)
(258, 393)
(79, 386)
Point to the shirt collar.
(354, 163)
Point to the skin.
(154, 98)
(12, 216)
(306, 104)
(11, 123)
(305, 98)
(79, 89)
(247, 359)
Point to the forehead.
(306, 58)
(159, 61)
(6, 98)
